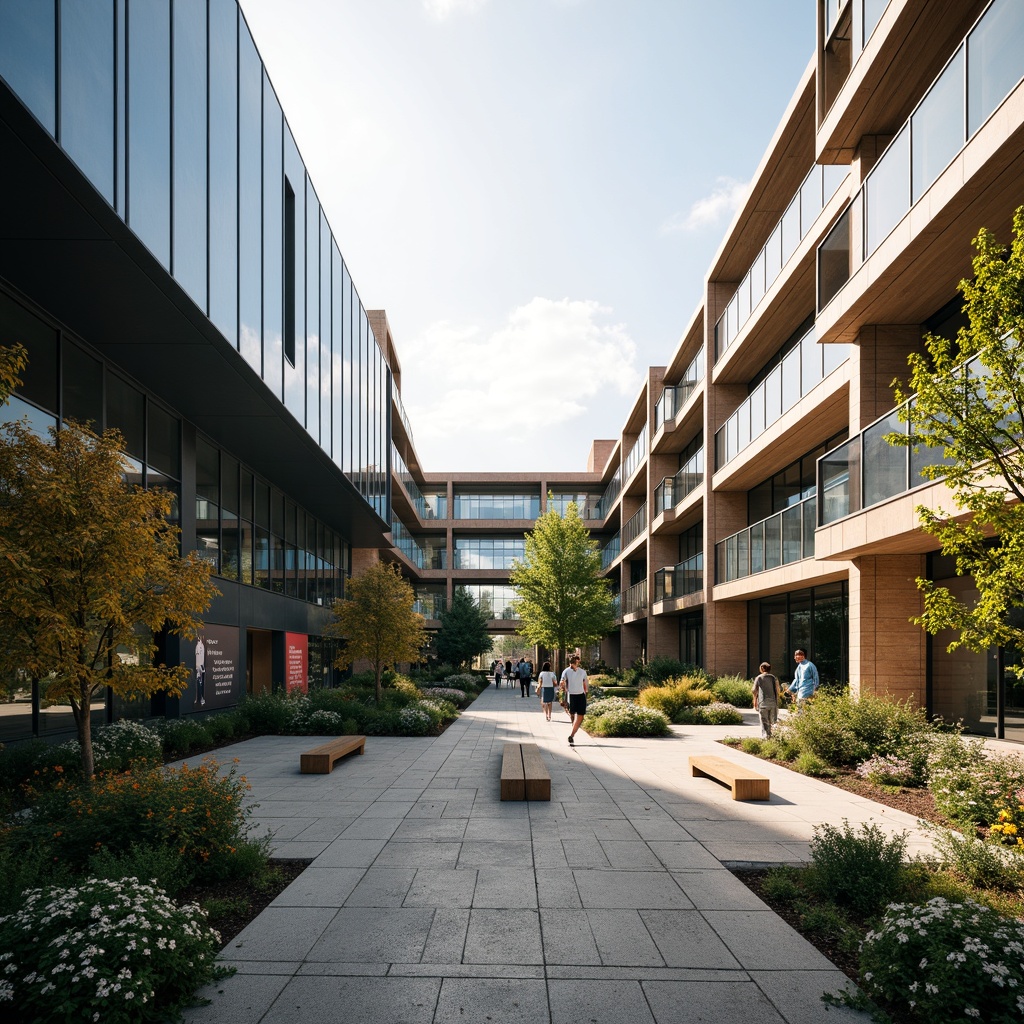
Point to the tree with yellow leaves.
(90, 570)
(377, 621)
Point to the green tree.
(463, 633)
(377, 621)
(90, 570)
(969, 404)
(562, 599)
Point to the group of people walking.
(767, 694)
(571, 689)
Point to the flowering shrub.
(968, 785)
(944, 961)
(115, 747)
(597, 708)
(414, 721)
(465, 681)
(1009, 825)
(716, 713)
(324, 723)
(181, 736)
(439, 710)
(457, 697)
(626, 719)
(891, 770)
(104, 951)
(196, 811)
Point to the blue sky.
(532, 189)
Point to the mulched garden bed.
(237, 902)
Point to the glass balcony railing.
(673, 489)
(674, 397)
(635, 599)
(787, 536)
(433, 506)
(866, 469)
(406, 422)
(986, 67)
(611, 492)
(801, 369)
(406, 543)
(687, 577)
(617, 607)
(636, 526)
(820, 185)
(636, 454)
(610, 552)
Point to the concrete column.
(888, 652)
(880, 355)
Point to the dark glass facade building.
(169, 267)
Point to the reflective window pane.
(312, 294)
(189, 255)
(224, 168)
(126, 412)
(887, 192)
(295, 285)
(149, 125)
(885, 467)
(164, 451)
(250, 199)
(995, 62)
(273, 242)
(87, 89)
(27, 56)
(83, 387)
(937, 127)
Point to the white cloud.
(441, 9)
(710, 210)
(546, 368)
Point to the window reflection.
(87, 89)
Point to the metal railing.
(636, 525)
(610, 552)
(635, 599)
(611, 492)
(636, 454)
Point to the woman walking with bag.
(546, 688)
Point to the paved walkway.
(429, 900)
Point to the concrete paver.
(431, 901)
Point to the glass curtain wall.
(168, 111)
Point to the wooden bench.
(524, 776)
(320, 760)
(745, 784)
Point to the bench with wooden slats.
(524, 776)
(744, 783)
(320, 760)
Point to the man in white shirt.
(574, 679)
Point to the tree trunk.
(378, 672)
(83, 719)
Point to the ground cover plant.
(615, 716)
(922, 941)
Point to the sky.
(532, 189)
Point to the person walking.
(508, 670)
(574, 679)
(497, 674)
(525, 677)
(766, 699)
(546, 688)
(805, 679)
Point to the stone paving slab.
(431, 901)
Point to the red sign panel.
(296, 662)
